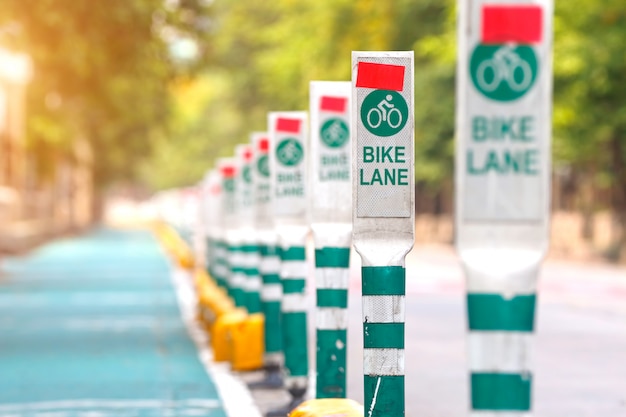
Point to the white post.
(269, 266)
(502, 190)
(331, 223)
(228, 169)
(288, 147)
(384, 216)
(249, 256)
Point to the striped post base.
(271, 295)
(332, 277)
(237, 276)
(219, 263)
(251, 282)
(294, 325)
(500, 332)
(383, 290)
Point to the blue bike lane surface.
(91, 327)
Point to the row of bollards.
(344, 171)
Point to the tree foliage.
(101, 72)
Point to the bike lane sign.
(383, 122)
(504, 117)
(288, 134)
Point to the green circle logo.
(289, 152)
(246, 174)
(384, 112)
(263, 166)
(335, 133)
(229, 185)
(503, 72)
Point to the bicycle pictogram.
(503, 72)
(384, 113)
(289, 152)
(335, 133)
(505, 66)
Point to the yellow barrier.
(328, 407)
(248, 343)
(221, 336)
(175, 245)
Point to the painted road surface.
(579, 348)
(91, 327)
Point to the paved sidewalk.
(91, 327)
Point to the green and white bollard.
(269, 265)
(234, 277)
(249, 256)
(331, 223)
(288, 137)
(383, 217)
(210, 212)
(503, 156)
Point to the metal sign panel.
(288, 147)
(331, 147)
(383, 113)
(245, 186)
(261, 178)
(504, 111)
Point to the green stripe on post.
(273, 331)
(493, 312)
(383, 280)
(332, 298)
(332, 258)
(294, 253)
(253, 302)
(331, 364)
(384, 396)
(249, 248)
(293, 286)
(501, 392)
(295, 343)
(383, 335)
(270, 278)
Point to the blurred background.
(112, 101)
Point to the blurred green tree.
(102, 73)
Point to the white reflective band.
(500, 414)
(221, 270)
(237, 280)
(293, 303)
(383, 362)
(383, 308)
(252, 284)
(332, 278)
(296, 269)
(504, 271)
(271, 292)
(236, 258)
(332, 318)
(249, 260)
(499, 351)
(269, 265)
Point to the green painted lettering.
(399, 156)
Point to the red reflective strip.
(264, 144)
(228, 171)
(288, 125)
(334, 104)
(380, 76)
(519, 24)
(247, 154)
